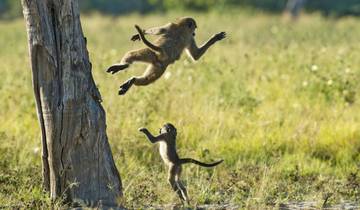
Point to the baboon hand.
(142, 129)
(219, 36)
(135, 37)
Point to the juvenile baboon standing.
(167, 149)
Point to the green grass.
(278, 101)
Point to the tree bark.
(77, 161)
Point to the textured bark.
(77, 160)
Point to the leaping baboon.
(173, 39)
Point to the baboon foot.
(184, 201)
(126, 86)
(116, 68)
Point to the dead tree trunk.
(77, 160)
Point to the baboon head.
(187, 22)
(169, 128)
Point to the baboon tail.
(146, 42)
(190, 160)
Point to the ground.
(278, 101)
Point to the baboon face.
(168, 128)
(191, 24)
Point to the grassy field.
(279, 102)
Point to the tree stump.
(77, 161)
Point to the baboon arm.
(152, 138)
(157, 30)
(196, 52)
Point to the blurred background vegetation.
(334, 8)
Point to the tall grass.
(278, 101)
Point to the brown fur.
(167, 141)
(173, 39)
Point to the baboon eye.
(190, 24)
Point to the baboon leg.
(181, 186)
(152, 73)
(142, 55)
(172, 180)
(183, 191)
